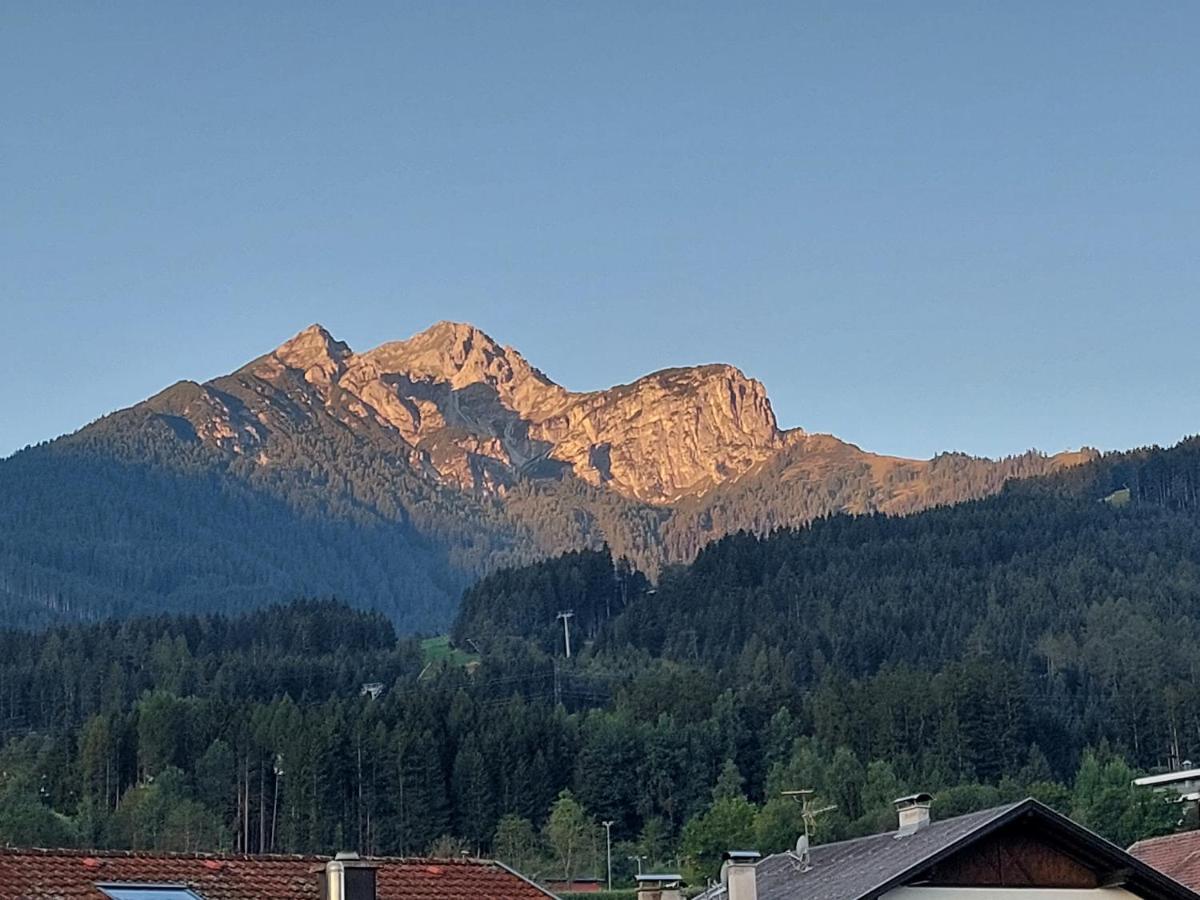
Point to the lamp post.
(608, 849)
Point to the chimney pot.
(913, 812)
(739, 876)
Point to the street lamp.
(608, 849)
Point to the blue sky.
(923, 225)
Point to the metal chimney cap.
(349, 859)
(920, 799)
(741, 856)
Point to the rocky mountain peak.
(461, 355)
(478, 415)
(669, 434)
(315, 352)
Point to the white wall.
(955, 893)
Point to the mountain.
(393, 477)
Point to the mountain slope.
(393, 477)
(955, 639)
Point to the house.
(1178, 855)
(576, 885)
(1022, 851)
(83, 875)
(1184, 782)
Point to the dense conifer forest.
(1041, 642)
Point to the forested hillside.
(1041, 641)
(1070, 604)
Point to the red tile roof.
(73, 875)
(1176, 855)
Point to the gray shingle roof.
(864, 867)
(850, 869)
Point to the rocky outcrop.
(670, 434)
(455, 405)
(480, 416)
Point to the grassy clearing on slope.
(438, 649)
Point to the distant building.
(1185, 783)
(1022, 851)
(109, 875)
(576, 886)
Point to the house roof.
(1168, 778)
(1176, 854)
(870, 866)
(73, 875)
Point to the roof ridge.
(200, 856)
(1163, 838)
(996, 810)
(93, 853)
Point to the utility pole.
(565, 616)
(608, 849)
(638, 860)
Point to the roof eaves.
(1167, 778)
(1167, 839)
(1003, 815)
(1145, 873)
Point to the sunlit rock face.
(480, 416)
(676, 432)
(452, 407)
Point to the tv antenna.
(565, 616)
(808, 812)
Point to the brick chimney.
(348, 877)
(659, 887)
(913, 811)
(738, 875)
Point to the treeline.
(526, 603)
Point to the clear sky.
(923, 225)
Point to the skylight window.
(148, 892)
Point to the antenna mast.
(809, 813)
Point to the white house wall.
(958, 893)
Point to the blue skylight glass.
(148, 892)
